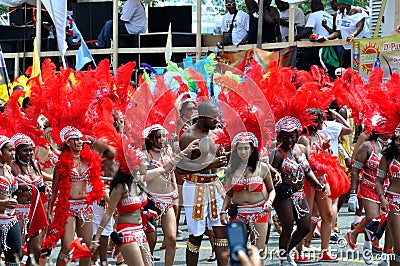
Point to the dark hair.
(148, 145)
(121, 178)
(373, 136)
(32, 161)
(391, 151)
(317, 6)
(18, 87)
(318, 114)
(317, 117)
(252, 162)
(25, 102)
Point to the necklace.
(28, 167)
(167, 176)
(243, 164)
(78, 165)
(24, 163)
(382, 142)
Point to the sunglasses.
(230, 4)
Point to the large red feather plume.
(15, 122)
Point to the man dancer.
(202, 191)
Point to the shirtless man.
(202, 191)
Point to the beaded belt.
(201, 178)
(202, 181)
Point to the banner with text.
(370, 52)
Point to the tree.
(3, 9)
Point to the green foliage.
(3, 9)
(241, 5)
(306, 7)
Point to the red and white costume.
(368, 177)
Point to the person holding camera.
(234, 23)
(290, 203)
(250, 191)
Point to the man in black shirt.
(271, 30)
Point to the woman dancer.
(316, 143)
(366, 161)
(10, 233)
(76, 186)
(162, 188)
(128, 199)
(250, 191)
(290, 204)
(27, 171)
(389, 167)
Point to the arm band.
(381, 174)
(357, 165)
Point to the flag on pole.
(168, 46)
(36, 61)
(83, 56)
(58, 13)
(3, 70)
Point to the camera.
(237, 241)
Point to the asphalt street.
(345, 254)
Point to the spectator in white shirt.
(284, 18)
(132, 21)
(314, 25)
(240, 25)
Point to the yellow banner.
(369, 52)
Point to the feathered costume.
(244, 108)
(66, 103)
(291, 93)
(13, 121)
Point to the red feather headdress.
(13, 121)
(244, 108)
(147, 109)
